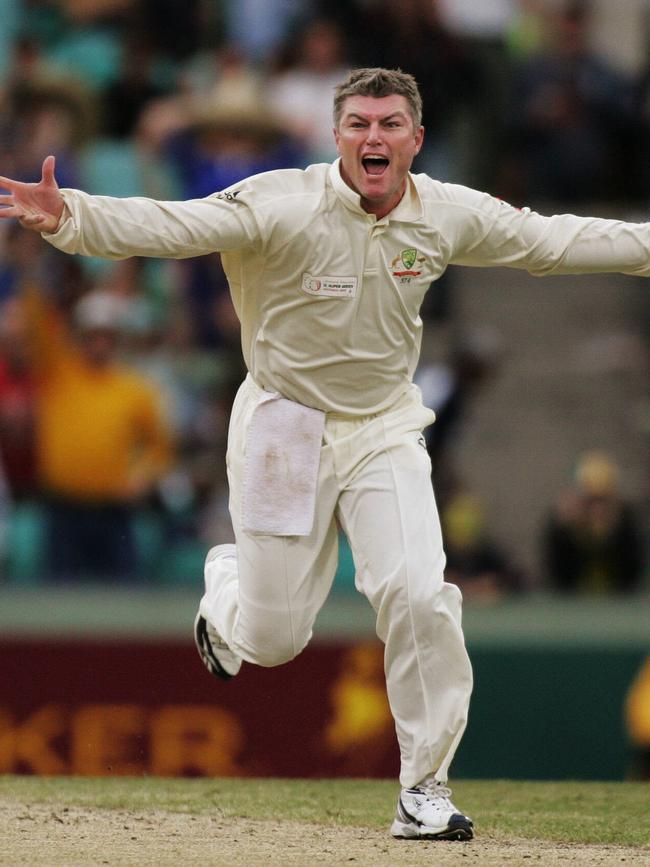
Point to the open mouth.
(375, 165)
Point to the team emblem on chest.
(403, 264)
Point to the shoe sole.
(460, 830)
(202, 641)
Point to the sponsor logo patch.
(329, 287)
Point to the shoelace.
(433, 789)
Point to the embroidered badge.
(407, 259)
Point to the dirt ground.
(40, 836)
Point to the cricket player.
(328, 268)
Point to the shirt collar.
(408, 209)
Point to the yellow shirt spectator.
(100, 431)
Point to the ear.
(336, 139)
(419, 139)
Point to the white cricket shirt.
(329, 296)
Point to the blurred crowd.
(116, 379)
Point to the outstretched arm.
(36, 206)
(116, 228)
(494, 233)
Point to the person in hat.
(328, 267)
(229, 133)
(223, 136)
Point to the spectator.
(591, 543)
(302, 94)
(481, 29)
(101, 441)
(197, 386)
(448, 387)
(230, 136)
(134, 87)
(44, 114)
(474, 562)
(570, 111)
(260, 27)
(412, 36)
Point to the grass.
(569, 812)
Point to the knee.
(267, 647)
(439, 603)
(428, 605)
(268, 657)
(414, 591)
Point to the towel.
(282, 456)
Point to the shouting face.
(377, 141)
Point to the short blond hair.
(378, 82)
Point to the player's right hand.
(36, 206)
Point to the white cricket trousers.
(375, 479)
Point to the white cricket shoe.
(426, 812)
(215, 654)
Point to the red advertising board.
(134, 707)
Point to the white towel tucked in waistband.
(283, 445)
